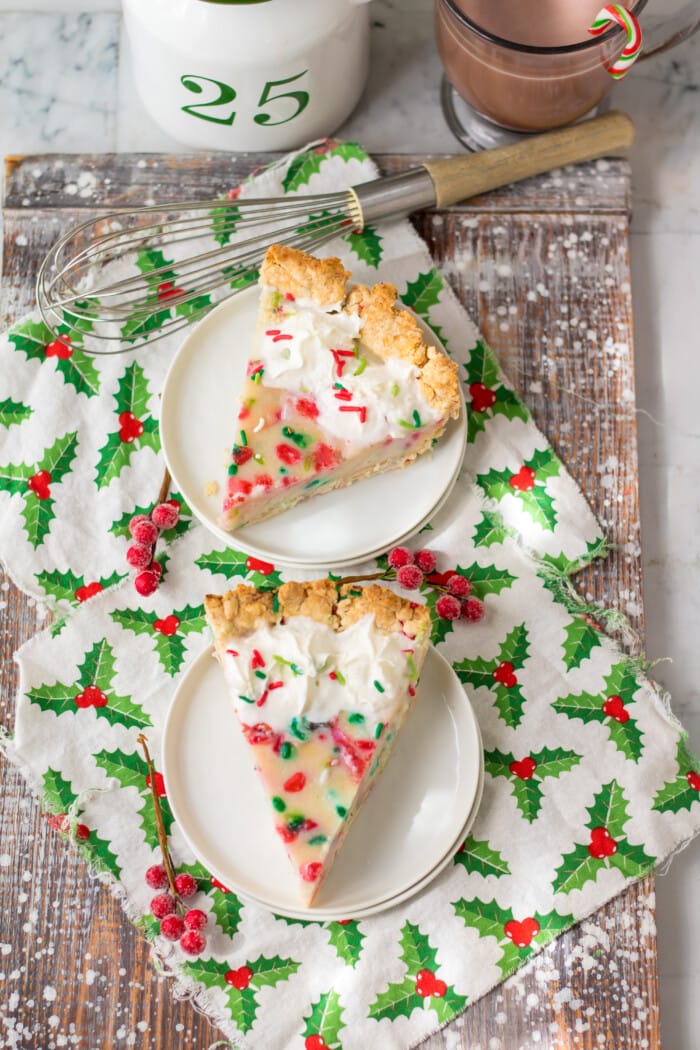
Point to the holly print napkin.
(588, 785)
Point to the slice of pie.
(321, 678)
(339, 387)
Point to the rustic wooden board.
(544, 269)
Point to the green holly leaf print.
(136, 430)
(486, 579)
(14, 478)
(416, 950)
(326, 1019)
(508, 404)
(301, 170)
(77, 368)
(269, 972)
(398, 1000)
(38, 515)
(225, 217)
(489, 529)
(482, 366)
(552, 762)
(58, 795)
(12, 412)
(58, 459)
(422, 294)
(580, 639)
(168, 632)
(610, 709)
(92, 690)
(71, 588)
(153, 259)
(684, 790)
(226, 909)
(99, 853)
(242, 1002)
(348, 151)
(347, 939)
(130, 770)
(479, 858)
(607, 846)
(367, 246)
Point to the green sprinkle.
(378, 686)
(339, 677)
(275, 300)
(356, 718)
(275, 602)
(312, 484)
(287, 750)
(278, 803)
(259, 459)
(317, 840)
(301, 440)
(246, 699)
(416, 419)
(282, 470)
(288, 663)
(257, 376)
(233, 469)
(244, 438)
(395, 390)
(379, 730)
(260, 674)
(361, 367)
(296, 729)
(412, 667)
(342, 811)
(407, 426)
(338, 386)
(295, 820)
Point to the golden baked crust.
(304, 276)
(242, 610)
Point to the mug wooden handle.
(457, 178)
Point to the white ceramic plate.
(407, 831)
(197, 425)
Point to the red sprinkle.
(257, 660)
(289, 297)
(297, 782)
(343, 395)
(274, 685)
(280, 337)
(261, 700)
(411, 690)
(272, 331)
(355, 408)
(232, 652)
(339, 356)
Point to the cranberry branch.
(160, 824)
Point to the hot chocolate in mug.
(248, 74)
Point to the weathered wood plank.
(544, 270)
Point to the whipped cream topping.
(319, 671)
(317, 353)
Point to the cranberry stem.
(165, 487)
(388, 574)
(160, 824)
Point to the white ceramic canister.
(248, 74)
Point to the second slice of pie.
(321, 679)
(340, 386)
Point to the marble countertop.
(65, 86)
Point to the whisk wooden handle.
(457, 178)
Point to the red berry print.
(399, 557)
(256, 565)
(159, 784)
(693, 779)
(473, 610)
(82, 832)
(602, 844)
(186, 885)
(315, 1042)
(130, 427)
(219, 885)
(139, 556)
(89, 590)
(146, 583)
(156, 877)
(429, 986)
(163, 905)
(143, 530)
(239, 978)
(307, 407)
(521, 933)
(310, 871)
(195, 919)
(287, 454)
(168, 626)
(325, 457)
(524, 768)
(297, 782)
(614, 707)
(504, 674)
(172, 927)
(482, 397)
(91, 696)
(425, 560)
(39, 484)
(458, 585)
(193, 942)
(167, 290)
(166, 515)
(60, 348)
(410, 577)
(448, 607)
(524, 480)
(234, 194)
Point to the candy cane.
(616, 14)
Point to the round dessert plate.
(407, 831)
(197, 426)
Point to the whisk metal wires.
(134, 275)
